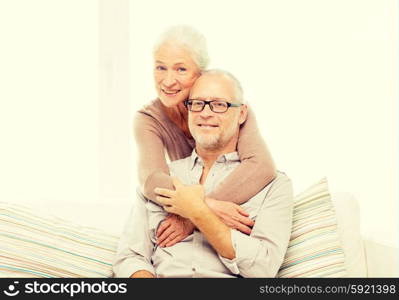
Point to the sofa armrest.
(381, 260)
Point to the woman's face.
(175, 73)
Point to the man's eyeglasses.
(216, 106)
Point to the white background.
(321, 75)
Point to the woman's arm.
(256, 170)
(153, 173)
(152, 168)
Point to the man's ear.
(243, 114)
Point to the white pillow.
(314, 249)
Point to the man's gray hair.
(239, 92)
(190, 38)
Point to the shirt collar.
(224, 158)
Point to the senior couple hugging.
(219, 208)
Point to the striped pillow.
(33, 245)
(314, 249)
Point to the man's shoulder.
(282, 177)
(281, 184)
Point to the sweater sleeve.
(256, 170)
(152, 168)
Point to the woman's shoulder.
(151, 114)
(154, 106)
(153, 110)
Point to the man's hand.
(231, 214)
(173, 229)
(142, 274)
(185, 200)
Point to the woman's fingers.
(164, 225)
(164, 192)
(163, 200)
(172, 240)
(164, 236)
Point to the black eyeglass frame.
(228, 105)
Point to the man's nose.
(170, 79)
(207, 112)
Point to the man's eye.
(219, 104)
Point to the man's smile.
(205, 125)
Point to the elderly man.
(216, 111)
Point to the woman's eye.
(160, 68)
(181, 69)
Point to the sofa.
(80, 240)
(364, 257)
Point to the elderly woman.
(179, 58)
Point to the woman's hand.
(231, 214)
(173, 230)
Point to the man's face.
(212, 130)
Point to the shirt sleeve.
(262, 253)
(152, 168)
(135, 246)
(256, 170)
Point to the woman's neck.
(179, 116)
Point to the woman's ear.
(243, 114)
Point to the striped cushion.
(33, 245)
(314, 249)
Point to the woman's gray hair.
(190, 38)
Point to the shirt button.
(193, 269)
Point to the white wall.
(49, 100)
(322, 75)
(115, 125)
(65, 120)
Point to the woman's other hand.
(231, 214)
(173, 230)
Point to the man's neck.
(209, 156)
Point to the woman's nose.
(169, 79)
